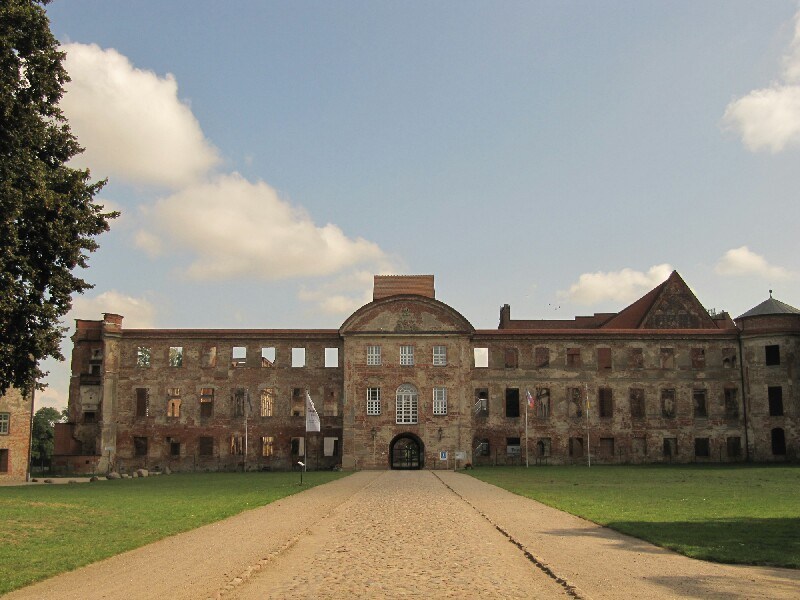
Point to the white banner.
(312, 417)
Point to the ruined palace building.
(408, 382)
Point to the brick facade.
(406, 378)
(15, 436)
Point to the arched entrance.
(406, 452)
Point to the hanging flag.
(312, 417)
(531, 402)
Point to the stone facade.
(407, 382)
(15, 436)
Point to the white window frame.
(5, 423)
(373, 401)
(373, 355)
(407, 356)
(440, 401)
(406, 405)
(440, 356)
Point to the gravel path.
(415, 534)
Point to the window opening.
(512, 446)
(267, 445)
(481, 356)
(481, 406)
(330, 446)
(668, 403)
(700, 407)
(511, 358)
(238, 400)
(174, 402)
(206, 402)
(373, 401)
(731, 403)
(728, 358)
(667, 358)
(772, 354)
(439, 356)
(775, 397)
(407, 355)
(331, 357)
(142, 402)
(541, 357)
(637, 403)
(210, 357)
(607, 447)
(298, 357)
(237, 445)
(140, 446)
(298, 446)
(481, 447)
(268, 356)
(778, 442)
(143, 356)
(373, 355)
(573, 358)
(176, 356)
(670, 447)
(298, 402)
(407, 404)
(439, 401)
(512, 402)
(604, 359)
(635, 358)
(702, 447)
(543, 403)
(575, 402)
(238, 357)
(267, 401)
(5, 421)
(205, 446)
(605, 403)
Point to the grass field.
(50, 529)
(731, 514)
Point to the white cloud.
(131, 121)
(138, 312)
(237, 228)
(769, 118)
(149, 243)
(343, 295)
(51, 396)
(621, 286)
(743, 261)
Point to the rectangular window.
(772, 355)
(298, 402)
(604, 359)
(481, 357)
(573, 358)
(668, 403)
(406, 408)
(576, 447)
(373, 401)
(575, 396)
(267, 401)
(267, 445)
(140, 446)
(209, 357)
(667, 358)
(268, 356)
(702, 447)
(373, 355)
(174, 447)
(206, 402)
(729, 358)
(511, 358)
(176, 356)
(698, 358)
(775, 396)
(543, 403)
(481, 447)
(607, 447)
(731, 403)
(635, 358)
(330, 446)
(439, 401)
(142, 402)
(238, 357)
(330, 403)
(298, 357)
(481, 406)
(512, 446)
(512, 402)
(637, 403)
(543, 447)
(700, 406)
(670, 447)
(439, 356)
(205, 446)
(734, 446)
(5, 422)
(174, 402)
(3, 460)
(143, 356)
(238, 400)
(605, 402)
(298, 446)
(541, 357)
(237, 445)
(331, 358)
(407, 355)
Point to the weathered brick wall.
(15, 444)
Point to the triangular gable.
(671, 305)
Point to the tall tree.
(43, 434)
(48, 220)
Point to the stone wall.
(15, 436)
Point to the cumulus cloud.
(344, 294)
(131, 121)
(769, 118)
(236, 228)
(138, 312)
(621, 286)
(743, 261)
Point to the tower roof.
(770, 306)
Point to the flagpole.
(588, 441)
(527, 402)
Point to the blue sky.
(563, 157)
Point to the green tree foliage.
(42, 434)
(48, 220)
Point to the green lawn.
(732, 514)
(54, 528)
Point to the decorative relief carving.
(405, 322)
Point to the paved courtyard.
(412, 534)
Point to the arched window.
(778, 442)
(407, 402)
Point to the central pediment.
(406, 314)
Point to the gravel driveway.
(414, 534)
